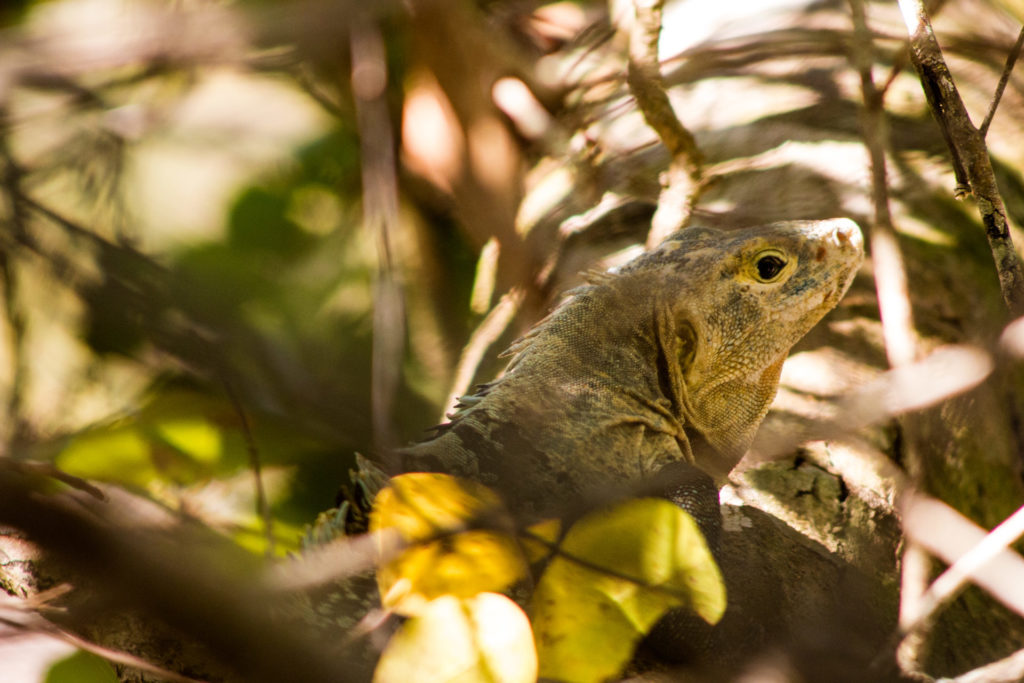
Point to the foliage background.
(208, 209)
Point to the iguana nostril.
(848, 235)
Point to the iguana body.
(673, 358)
(667, 363)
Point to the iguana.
(674, 357)
(665, 366)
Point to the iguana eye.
(769, 266)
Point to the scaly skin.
(673, 358)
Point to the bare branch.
(974, 553)
(681, 183)
(894, 307)
(975, 556)
(15, 316)
(1007, 670)
(890, 273)
(337, 560)
(971, 162)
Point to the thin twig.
(262, 504)
(380, 216)
(1007, 670)
(492, 327)
(308, 83)
(890, 273)
(681, 183)
(893, 297)
(971, 163)
(46, 469)
(974, 554)
(340, 559)
(1011, 59)
(948, 585)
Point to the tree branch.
(971, 163)
(897, 319)
(681, 184)
(380, 215)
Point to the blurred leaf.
(119, 453)
(187, 448)
(433, 511)
(194, 436)
(486, 638)
(258, 222)
(81, 667)
(179, 436)
(630, 564)
(333, 161)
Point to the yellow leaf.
(616, 573)
(486, 638)
(433, 512)
(540, 538)
(119, 453)
(194, 435)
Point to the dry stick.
(380, 215)
(485, 334)
(971, 162)
(1011, 59)
(1007, 670)
(681, 184)
(893, 303)
(948, 585)
(968, 566)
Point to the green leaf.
(486, 638)
(81, 667)
(615, 574)
(435, 513)
(118, 453)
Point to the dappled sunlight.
(823, 372)
(210, 147)
(250, 250)
(432, 138)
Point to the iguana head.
(737, 302)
